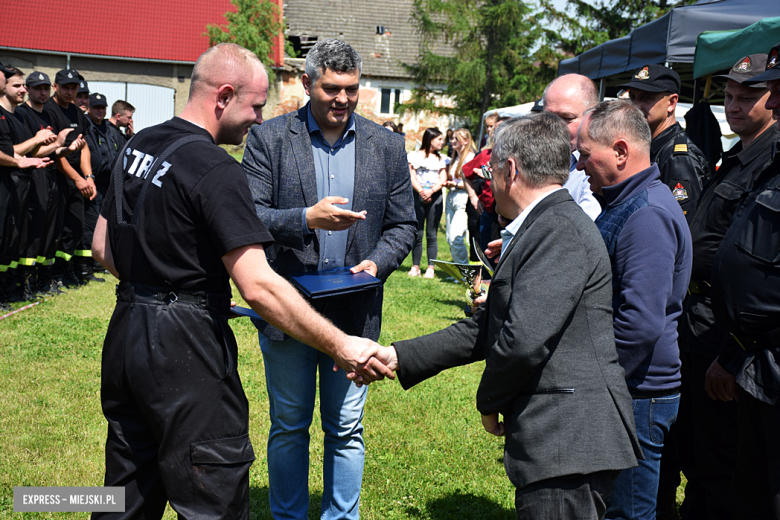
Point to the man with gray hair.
(649, 245)
(569, 97)
(545, 333)
(334, 190)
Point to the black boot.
(82, 266)
(25, 278)
(70, 279)
(15, 291)
(47, 283)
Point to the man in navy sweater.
(649, 245)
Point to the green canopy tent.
(719, 50)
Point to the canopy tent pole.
(707, 86)
(602, 88)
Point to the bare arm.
(100, 247)
(22, 162)
(87, 190)
(273, 298)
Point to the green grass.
(427, 456)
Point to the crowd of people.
(700, 362)
(56, 152)
(630, 332)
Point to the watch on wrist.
(90, 176)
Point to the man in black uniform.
(76, 181)
(103, 148)
(121, 117)
(47, 216)
(177, 415)
(27, 143)
(82, 95)
(746, 301)
(708, 425)
(9, 203)
(654, 89)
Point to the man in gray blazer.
(546, 334)
(334, 190)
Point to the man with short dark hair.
(655, 89)
(121, 117)
(545, 335)
(649, 245)
(76, 182)
(334, 190)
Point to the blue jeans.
(291, 379)
(635, 489)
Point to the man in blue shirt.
(649, 245)
(334, 190)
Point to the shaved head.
(224, 64)
(573, 86)
(568, 97)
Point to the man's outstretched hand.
(363, 361)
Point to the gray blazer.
(280, 169)
(546, 334)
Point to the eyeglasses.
(487, 171)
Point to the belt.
(758, 341)
(702, 288)
(139, 293)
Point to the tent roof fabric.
(670, 38)
(719, 50)
(141, 29)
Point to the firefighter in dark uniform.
(47, 212)
(9, 202)
(82, 95)
(746, 301)
(75, 179)
(709, 426)
(103, 148)
(177, 222)
(655, 89)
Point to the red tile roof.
(149, 29)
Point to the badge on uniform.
(743, 66)
(642, 74)
(680, 193)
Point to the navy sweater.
(650, 247)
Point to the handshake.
(365, 361)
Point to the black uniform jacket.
(746, 289)
(683, 166)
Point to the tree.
(254, 25)
(488, 53)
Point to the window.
(390, 96)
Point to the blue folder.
(333, 282)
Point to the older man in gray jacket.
(546, 335)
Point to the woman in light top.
(428, 169)
(458, 193)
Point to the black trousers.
(428, 218)
(22, 183)
(577, 497)
(73, 217)
(37, 202)
(473, 225)
(756, 483)
(178, 419)
(9, 214)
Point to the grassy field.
(427, 456)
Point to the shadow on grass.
(463, 505)
(260, 506)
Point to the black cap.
(772, 71)
(655, 78)
(6, 71)
(745, 69)
(66, 77)
(83, 86)
(538, 106)
(97, 100)
(37, 78)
